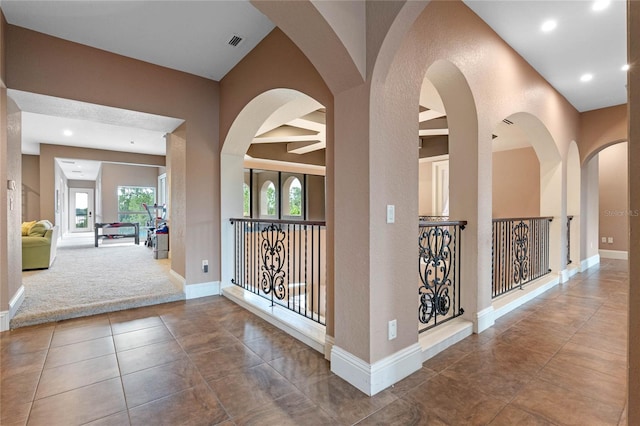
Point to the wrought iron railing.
(439, 246)
(520, 252)
(284, 262)
(569, 219)
(433, 218)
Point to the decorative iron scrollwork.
(273, 254)
(434, 268)
(521, 253)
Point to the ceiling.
(193, 36)
(585, 41)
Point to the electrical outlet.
(610, 240)
(393, 329)
(604, 239)
(205, 266)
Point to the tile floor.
(559, 360)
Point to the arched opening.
(267, 203)
(605, 169)
(292, 198)
(613, 201)
(528, 227)
(274, 153)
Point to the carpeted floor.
(85, 280)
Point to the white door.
(80, 209)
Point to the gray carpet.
(85, 280)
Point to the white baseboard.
(4, 321)
(373, 378)
(329, 341)
(563, 276)
(588, 263)
(572, 270)
(303, 329)
(484, 319)
(14, 304)
(176, 278)
(438, 339)
(193, 291)
(516, 298)
(614, 254)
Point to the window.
(268, 199)
(130, 204)
(292, 205)
(246, 207)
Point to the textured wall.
(30, 187)
(516, 183)
(614, 210)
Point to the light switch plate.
(391, 213)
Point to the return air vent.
(235, 40)
(67, 161)
(509, 122)
(76, 171)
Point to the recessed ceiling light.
(586, 77)
(625, 67)
(599, 5)
(67, 132)
(132, 142)
(549, 25)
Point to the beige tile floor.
(559, 360)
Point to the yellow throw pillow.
(40, 228)
(26, 226)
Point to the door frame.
(72, 209)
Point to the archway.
(527, 205)
(279, 105)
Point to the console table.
(135, 234)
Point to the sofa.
(39, 241)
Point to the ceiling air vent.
(509, 122)
(68, 161)
(235, 40)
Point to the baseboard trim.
(373, 378)
(194, 291)
(563, 276)
(176, 278)
(572, 270)
(303, 329)
(14, 305)
(329, 342)
(484, 319)
(16, 301)
(438, 339)
(588, 263)
(4, 321)
(516, 298)
(614, 254)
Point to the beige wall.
(315, 197)
(614, 208)
(115, 175)
(30, 187)
(516, 183)
(600, 128)
(176, 181)
(47, 65)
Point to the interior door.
(80, 209)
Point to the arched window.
(268, 199)
(246, 207)
(292, 203)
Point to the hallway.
(560, 359)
